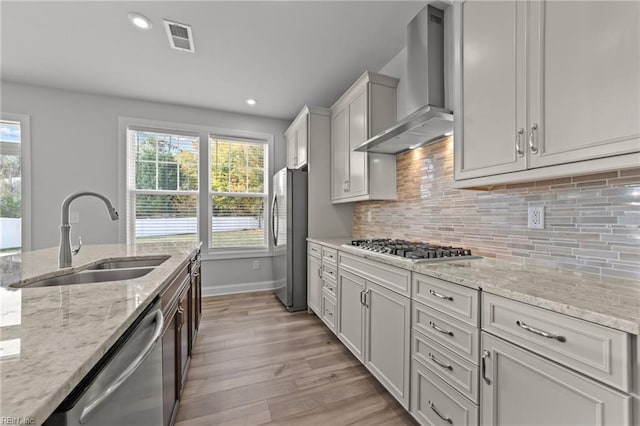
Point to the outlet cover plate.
(536, 218)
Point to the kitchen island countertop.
(51, 337)
(608, 301)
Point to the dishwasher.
(125, 387)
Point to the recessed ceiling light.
(251, 101)
(140, 21)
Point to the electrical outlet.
(536, 218)
(256, 264)
(74, 217)
(369, 215)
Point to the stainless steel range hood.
(425, 88)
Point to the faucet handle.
(77, 250)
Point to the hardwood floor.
(255, 363)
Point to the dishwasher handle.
(118, 381)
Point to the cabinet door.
(387, 337)
(350, 327)
(339, 153)
(301, 141)
(182, 340)
(314, 284)
(292, 149)
(358, 181)
(493, 90)
(169, 370)
(518, 384)
(584, 80)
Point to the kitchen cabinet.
(296, 137)
(365, 110)
(579, 372)
(532, 95)
(350, 327)
(314, 279)
(387, 337)
(517, 385)
(374, 323)
(181, 305)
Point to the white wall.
(74, 146)
(397, 67)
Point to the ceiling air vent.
(180, 36)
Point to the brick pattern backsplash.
(592, 222)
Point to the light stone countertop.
(50, 337)
(612, 302)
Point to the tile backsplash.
(592, 222)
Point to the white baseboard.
(218, 290)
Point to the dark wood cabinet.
(181, 304)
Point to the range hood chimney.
(425, 87)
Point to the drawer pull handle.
(441, 296)
(435, 410)
(320, 272)
(541, 332)
(485, 355)
(441, 330)
(440, 363)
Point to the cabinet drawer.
(456, 371)
(329, 311)
(597, 351)
(314, 249)
(434, 402)
(329, 286)
(455, 335)
(395, 279)
(452, 299)
(329, 255)
(329, 272)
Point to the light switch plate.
(536, 218)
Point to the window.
(13, 184)
(168, 199)
(162, 186)
(238, 193)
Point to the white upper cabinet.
(584, 80)
(296, 137)
(366, 109)
(493, 102)
(545, 84)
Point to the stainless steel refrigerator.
(289, 237)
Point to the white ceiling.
(284, 54)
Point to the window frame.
(264, 195)
(204, 175)
(25, 175)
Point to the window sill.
(211, 254)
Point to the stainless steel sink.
(129, 263)
(90, 276)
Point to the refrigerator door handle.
(274, 232)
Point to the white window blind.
(238, 193)
(162, 186)
(10, 187)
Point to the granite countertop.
(50, 337)
(608, 301)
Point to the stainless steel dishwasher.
(125, 388)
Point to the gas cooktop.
(413, 251)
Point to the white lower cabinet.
(350, 328)
(387, 337)
(314, 284)
(374, 323)
(519, 387)
(329, 311)
(434, 402)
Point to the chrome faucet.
(64, 255)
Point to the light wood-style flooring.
(255, 363)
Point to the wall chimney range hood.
(425, 87)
